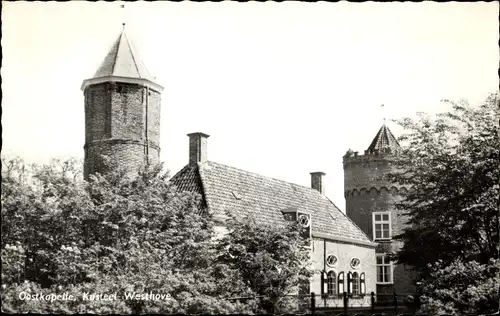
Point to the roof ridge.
(132, 53)
(203, 186)
(265, 197)
(260, 175)
(117, 43)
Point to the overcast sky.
(283, 89)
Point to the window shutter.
(349, 282)
(325, 283)
(341, 282)
(362, 286)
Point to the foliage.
(272, 261)
(114, 235)
(461, 288)
(450, 165)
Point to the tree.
(461, 288)
(270, 261)
(121, 235)
(450, 163)
(113, 234)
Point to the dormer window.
(304, 220)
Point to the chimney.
(317, 181)
(197, 147)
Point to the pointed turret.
(384, 142)
(122, 64)
(122, 112)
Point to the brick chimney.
(197, 147)
(317, 181)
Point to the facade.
(370, 204)
(122, 111)
(341, 253)
(122, 121)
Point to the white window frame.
(384, 264)
(335, 284)
(382, 222)
(356, 284)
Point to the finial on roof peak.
(383, 114)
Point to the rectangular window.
(382, 225)
(384, 270)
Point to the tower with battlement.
(370, 203)
(122, 111)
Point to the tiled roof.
(240, 192)
(123, 61)
(384, 141)
(188, 179)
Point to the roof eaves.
(365, 243)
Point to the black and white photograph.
(328, 158)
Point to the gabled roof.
(225, 188)
(122, 63)
(384, 141)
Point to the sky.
(283, 89)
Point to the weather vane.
(122, 6)
(382, 110)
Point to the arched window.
(331, 282)
(355, 283)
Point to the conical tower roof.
(383, 142)
(122, 64)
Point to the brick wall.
(366, 191)
(116, 122)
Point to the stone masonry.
(122, 121)
(365, 192)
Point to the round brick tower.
(366, 192)
(122, 112)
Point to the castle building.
(122, 111)
(341, 252)
(370, 204)
(122, 120)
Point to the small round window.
(331, 260)
(304, 220)
(355, 263)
